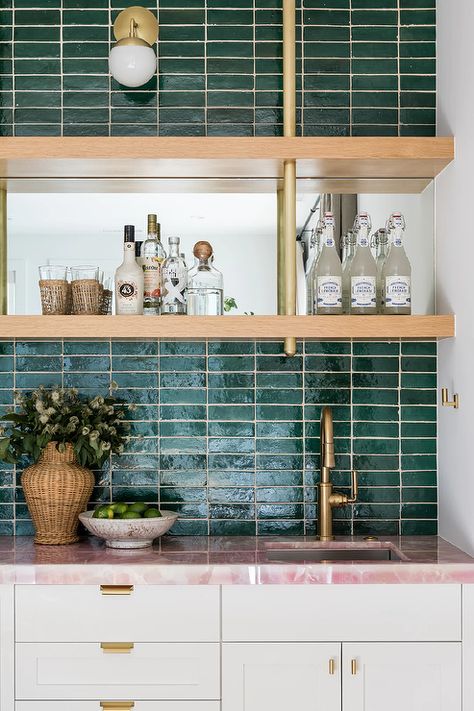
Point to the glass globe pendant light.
(132, 60)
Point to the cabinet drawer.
(138, 706)
(150, 613)
(329, 613)
(146, 672)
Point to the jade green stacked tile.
(364, 67)
(227, 434)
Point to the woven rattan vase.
(57, 491)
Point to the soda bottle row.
(373, 277)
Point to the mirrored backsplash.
(227, 433)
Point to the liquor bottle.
(328, 273)
(381, 253)
(129, 279)
(350, 247)
(314, 248)
(363, 272)
(205, 294)
(173, 281)
(396, 272)
(152, 257)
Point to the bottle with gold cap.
(152, 256)
(205, 284)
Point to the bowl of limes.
(134, 525)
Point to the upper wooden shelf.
(353, 164)
(379, 328)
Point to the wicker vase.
(57, 491)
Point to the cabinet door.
(395, 676)
(281, 677)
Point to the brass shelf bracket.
(446, 402)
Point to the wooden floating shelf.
(222, 164)
(379, 328)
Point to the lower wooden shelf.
(229, 327)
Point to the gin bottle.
(328, 273)
(152, 257)
(381, 252)
(363, 270)
(350, 245)
(396, 272)
(205, 295)
(173, 281)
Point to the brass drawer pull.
(354, 667)
(332, 667)
(116, 647)
(116, 589)
(117, 705)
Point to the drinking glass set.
(81, 290)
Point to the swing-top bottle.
(363, 270)
(396, 272)
(328, 273)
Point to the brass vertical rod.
(280, 252)
(3, 253)
(289, 168)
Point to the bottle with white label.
(381, 252)
(396, 272)
(363, 270)
(350, 244)
(328, 273)
(173, 281)
(152, 256)
(129, 279)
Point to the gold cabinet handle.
(116, 647)
(116, 589)
(117, 705)
(446, 402)
(332, 667)
(354, 667)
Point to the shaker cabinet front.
(281, 677)
(394, 676)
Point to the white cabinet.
(281, 677)
(401, 676)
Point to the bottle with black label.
(129, 279)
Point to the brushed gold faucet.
(329, 499)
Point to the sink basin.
(333, 553)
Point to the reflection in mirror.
(87, 229)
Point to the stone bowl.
(128, 533)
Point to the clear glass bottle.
(314, 246)
(396, 272)
(363, 271)
(173, 281)
(129, 279)
(152, 256)
(381, 252)
(350, 243)
(328, 273)
(205, 293)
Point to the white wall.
(455, 276)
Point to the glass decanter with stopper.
(328, 273)
(152, 256)
(396, 272)
(363, 271)
(173, 281)
(205, 294)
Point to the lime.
(152, 513)
(130, 514)
(103, 511)
(138, 507)
(119, 508)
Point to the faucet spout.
(327, 443)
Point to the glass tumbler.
(53, 287)
(86, 290)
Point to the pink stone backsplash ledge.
(227, 561)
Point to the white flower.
(39, 405)
(93, 435)
(86, 430)
(50, 411)
(55, 396)
(44, 419)
(74, 420)
(105, 446)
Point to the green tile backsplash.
(228, 433)
(365, 67)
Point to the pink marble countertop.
(227, 561)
